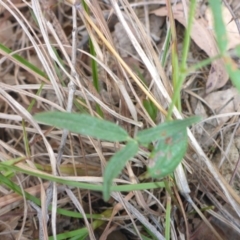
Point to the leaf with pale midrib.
(84, 124)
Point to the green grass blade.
(88, 186)
(23, 62)
(74, 214)
(175, 76)
(179, 74)
(166, 45)
(81, 233)
(150, 108)
(153, 237)
(201, 64)
(116, 164)
(14, 187)
(221, 36)
(84, 124)
(219, 25)
(233, 72)
(164, 130)
(94, 67)
(167, 154)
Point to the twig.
(233, 15)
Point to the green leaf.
(167, 154)
(116, 164)
(237, 50)
(164, 130)
(84, 124)
(219, 25)
(233, 72)
(150, 108)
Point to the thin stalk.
(175, 59)
(182, 72)
(168, 218)
(187, 36)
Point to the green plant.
(221, 36)
(170, 138)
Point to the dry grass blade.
(57, 53)
(13, 197)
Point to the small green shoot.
(88, 186)
(180, 70)
(171, 140)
